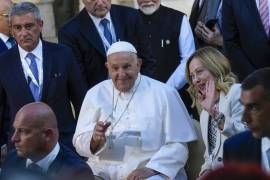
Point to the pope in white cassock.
(131, 126)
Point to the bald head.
(36, 132)
(39, 115)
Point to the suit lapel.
(47, 66)
(55, 168)
(88, 30)
(19, 76)
(251, 4)
(117, 23)
(3, 46)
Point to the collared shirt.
(186, 48)
(100, 29)
(26, 63)
(265, 145)
(45, 162)
(258, 5)
(5, 40)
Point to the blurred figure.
(206, 21)
(238, 171)
(35, 70)
(64, 10)
(213, 87)
(37, 148)
(132, 126)
(254, 145)
(95, 28)
(6, 39)
(246, 35)
(171, 39)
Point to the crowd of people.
(120, 94)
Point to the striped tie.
(263, 10)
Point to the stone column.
(46, 11)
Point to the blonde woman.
(213, 88)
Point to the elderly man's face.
(98, 8)
(26, 29)
(123, 68)
(4, 23)
(148, 6)
(256, 112)
(28, 138)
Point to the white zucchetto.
(121, 46)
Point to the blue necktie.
(33, 67)
(11, 41)
(106, 32)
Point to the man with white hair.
(172, 44)
(132, 126)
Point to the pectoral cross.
(111, 138)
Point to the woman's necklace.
(114, 123)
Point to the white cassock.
(151, 131)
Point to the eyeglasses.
(4, 14)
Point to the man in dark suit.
(37, 148)
(37, 70)
(6, 42)
(247, 42)
(95, 28)
(254, 145)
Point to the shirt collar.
(37, 51)
(265, 144)
(97, 20)
(47, 160)
(4, 37)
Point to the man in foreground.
(253, 146)
(37, 148)
(132, 126)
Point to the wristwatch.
(220, 119)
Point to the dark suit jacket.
(242, 147)
(67, 166)
(3, 46)
(82, 36)
(62, 84)
(246, 43)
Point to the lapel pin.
(168, 41)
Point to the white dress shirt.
(26, 64)
(265, 146)
(5, 40)
(45, 162)
(186, 48)
(154, 129)
(100, 29)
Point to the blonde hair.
(217, 64)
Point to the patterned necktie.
(33, 67)
(264, 13)
(212, 134)
(106, 31)
(11, 41)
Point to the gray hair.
(24, 8)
